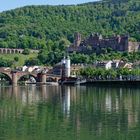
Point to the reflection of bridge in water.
(14, 76)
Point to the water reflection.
(69, 112)
(65, 94)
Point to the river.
(69, 113)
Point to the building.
(57, 69)
(96, 43)
(104, 64)
(75, 68)
(63, 68)
(115, 64)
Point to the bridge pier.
(14, 78)
(43, 78)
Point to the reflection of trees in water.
(100, 108)
(93, 111)
(26, 110)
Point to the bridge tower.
(65, 67)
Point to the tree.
(16, 59)
(32, 62)
(26, 51)
(5, 63)
(43, 55)
(56, 23)
(123, 71)
(63, 44)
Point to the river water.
(69, 113)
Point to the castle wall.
(133, 46)
(123, 44)
(116, 43)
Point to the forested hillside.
(50, 27)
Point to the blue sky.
(11, 4)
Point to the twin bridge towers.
(15, 76)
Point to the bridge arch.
(7, 76)
(24, 77)
(16, 51)
(12, 51)
(50, 79)
(1, 51)
(20, 51)
(8, 51)
(4, 51)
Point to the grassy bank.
(21, 57)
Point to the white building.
(115, 64)
(104, 64)
(24, 68)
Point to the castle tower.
(124, 43)
(77, 39)
(118, 38)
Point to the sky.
(12, 4)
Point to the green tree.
(5, 63)
(32, 62)
(16, 58)
(26, 51)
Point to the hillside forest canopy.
(51, 28)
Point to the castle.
(95, 43)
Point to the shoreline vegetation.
(119, 74)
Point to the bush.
(26, 51)
(5, 63)
(32, 62)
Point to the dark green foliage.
(26, 51)
(16, 58)
(50, 58)
(53, 57)
(107, 74)
(32, 62)
(5, 63)
(33, 26)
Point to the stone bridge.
(13, 51)
(15, 76)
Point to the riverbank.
(114, 82)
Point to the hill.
(8, 59)
(39, 27)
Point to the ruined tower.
(77, 39)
